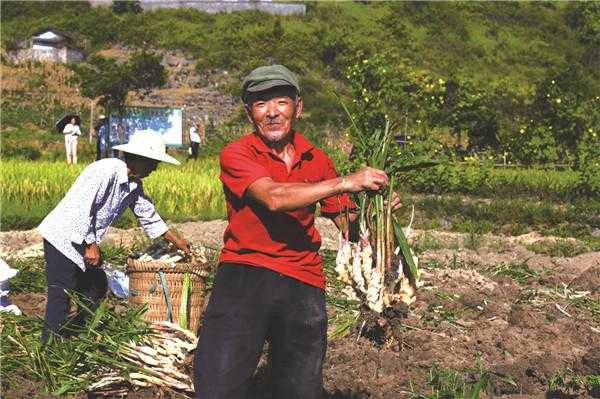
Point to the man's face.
(273, 111)
(142, 167)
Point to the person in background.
(73, 230)
(194, 140)
(117, 137)
(101, 133)
(72, 133)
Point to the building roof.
(51, 35)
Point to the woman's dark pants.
(63, 274)
(195, 146)
(247, 306)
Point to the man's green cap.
(266, 77)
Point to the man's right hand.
(92, 255)
(365, 179)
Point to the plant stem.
(389, 233)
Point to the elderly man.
(270, 282)
(74, 229)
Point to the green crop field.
(464, 198)
(31, 189)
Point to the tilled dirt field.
(523, 317)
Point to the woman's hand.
(179, 242)
(92, 255)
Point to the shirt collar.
(301, 144)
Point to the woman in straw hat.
(73, 231)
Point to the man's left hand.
(396, 204)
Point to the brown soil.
(524, 333)
(31, 304)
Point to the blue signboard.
(166, 121)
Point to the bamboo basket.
(145, 288)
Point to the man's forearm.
(282, 197)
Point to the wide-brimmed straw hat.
(148, 144)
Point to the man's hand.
(365, 179)
(92, 255)
(179, 243)
(396, 204)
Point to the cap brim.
(268, 84)
(152, 155)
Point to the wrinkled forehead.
(274, 92)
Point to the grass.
(506, 216)
(193, 192)
(545, 184)
(563, 248)
(437, 313)
(31, 276)
(519, 272)
(589, 304)
(581, 300)
(451, 384)
(427, 242)
(66, 367)
(567, 384)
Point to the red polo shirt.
(286, 242)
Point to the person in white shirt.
(195, 140)
(71, 133)
(73, 231)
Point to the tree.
(106, 79)
(110, 81)
(146, 71)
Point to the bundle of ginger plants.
(380, 268)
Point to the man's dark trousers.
(62, 273)
(249, 305)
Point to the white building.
(49, 45)
(216, 6)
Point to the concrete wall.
(47, 53)
(215, 6)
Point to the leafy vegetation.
(452, 384)
(32, 189)
(519, 272)
(110, 81)
(460, 74)
(64, 367)
(556, 248)
(569, 384)
(31, 276)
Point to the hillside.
(500, 55)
